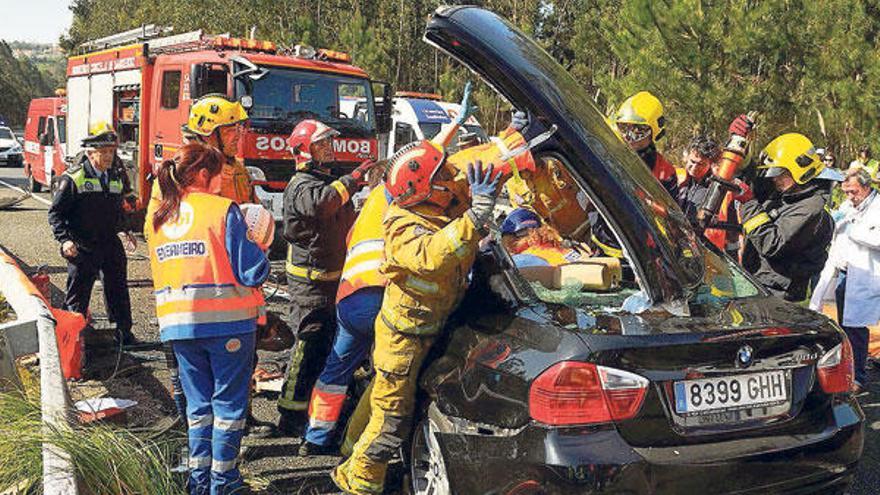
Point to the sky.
(34, 20)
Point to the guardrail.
(34, 316)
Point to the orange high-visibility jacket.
(197, 294)
(366, 247)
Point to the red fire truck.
(145, 89)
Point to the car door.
(664, 249)
(48, 148)
(168, 111)
(36, 165)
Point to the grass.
(6, 313)
(106, 459)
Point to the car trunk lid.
(651, 226)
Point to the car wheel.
(33, 185)
(429, 476)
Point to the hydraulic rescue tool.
(723, 186)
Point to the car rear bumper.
(536, 460)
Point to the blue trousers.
(355, 317)
(858, 336)
(215, 374)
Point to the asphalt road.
(271, 465)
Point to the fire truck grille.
(276, 171)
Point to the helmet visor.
(771, 172)
(633, 133)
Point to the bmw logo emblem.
(744, 356)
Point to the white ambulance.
(417, 116)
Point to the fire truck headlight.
(247, 101)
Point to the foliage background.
(23, 78)
(808, 66)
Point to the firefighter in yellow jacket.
(432, 229)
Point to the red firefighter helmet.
(411, 172)
(306, 133)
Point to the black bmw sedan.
(685, 378)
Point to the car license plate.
(731, 392)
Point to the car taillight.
(576, 393)
(835, 369)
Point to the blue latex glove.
(482, 184)
(466, 108)
(519, 120)
(484, 187)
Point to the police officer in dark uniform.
(86, 217)
(786, 227)
(318, 214)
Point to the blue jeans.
(355, 316)
(858, 336)
(215, 374)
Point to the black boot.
(291, 424)
(307, 449)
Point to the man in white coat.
(854, 266)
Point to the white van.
(418, 116)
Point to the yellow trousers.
(397, 358)
(357, 423)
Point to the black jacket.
(317, 220)
(787, 239)
(86, 212)
(691, 196)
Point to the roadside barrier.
(30, 306)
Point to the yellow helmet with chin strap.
(792, 152)
(642, 108)
(212, 111)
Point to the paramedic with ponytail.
(204, 265)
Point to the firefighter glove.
(745, 193)
(360, 174)
(741, 126)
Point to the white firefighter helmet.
(261, 225)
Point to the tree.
(792, 60)
(708, 61)
(20, 81)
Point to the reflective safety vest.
(366, 247)
(197, 294)
(85, 184)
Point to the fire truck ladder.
(143, 33)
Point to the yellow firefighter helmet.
(792, 152)
(212, 111)
(642, 108)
